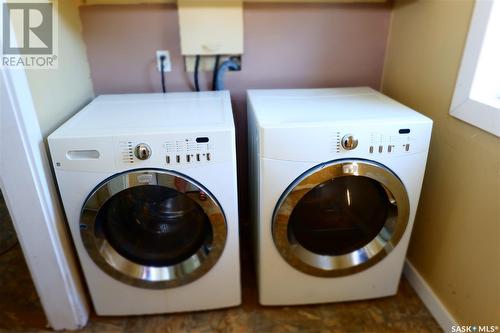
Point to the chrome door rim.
(340, 265)
(151, 277)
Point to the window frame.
(463, 106)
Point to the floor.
(20, 310)
(7, 233)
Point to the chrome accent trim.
(150, 277)
(332, 266)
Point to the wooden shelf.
(132, 2)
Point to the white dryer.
(154, 224)
(335, 181)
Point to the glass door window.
(340, 218)
(153, 229)
(153, 225)
(340, 215)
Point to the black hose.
(216, 69)
(196, 70)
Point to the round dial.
(349, 142)
(142, 151)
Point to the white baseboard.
(429, 298)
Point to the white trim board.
(32, 201)
(475, 110)
(429, 298)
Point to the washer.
(154, 224)
(335, 181)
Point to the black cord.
(216, 69)
(196, 68)
(162, 69)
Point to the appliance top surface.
(303, 107)
(109, 115)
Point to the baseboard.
(429, 298)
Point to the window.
(477, 91)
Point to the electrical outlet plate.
(167, 63)
(207, 63)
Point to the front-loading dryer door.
(340, 217)
(153, 228)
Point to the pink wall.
(286, 46)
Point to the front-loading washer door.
(153, 228)
(340, 217)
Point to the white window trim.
(473, 111)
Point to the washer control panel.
(150, 150)
(189, 150)
(169, 152)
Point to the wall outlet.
(167, 64)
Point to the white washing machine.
(154, 222)
(335, 181)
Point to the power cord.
(196, 71)
(162, 70)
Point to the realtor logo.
(29, 34)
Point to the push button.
(209, 157)
(380, 149)
(371, 149)
(407, 147)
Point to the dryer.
(335, 181)
(154, 224)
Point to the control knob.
(349, 142)
(142, 151)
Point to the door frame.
(32, 200)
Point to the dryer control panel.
(383, 143)
(376, 142)
(363, 140)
